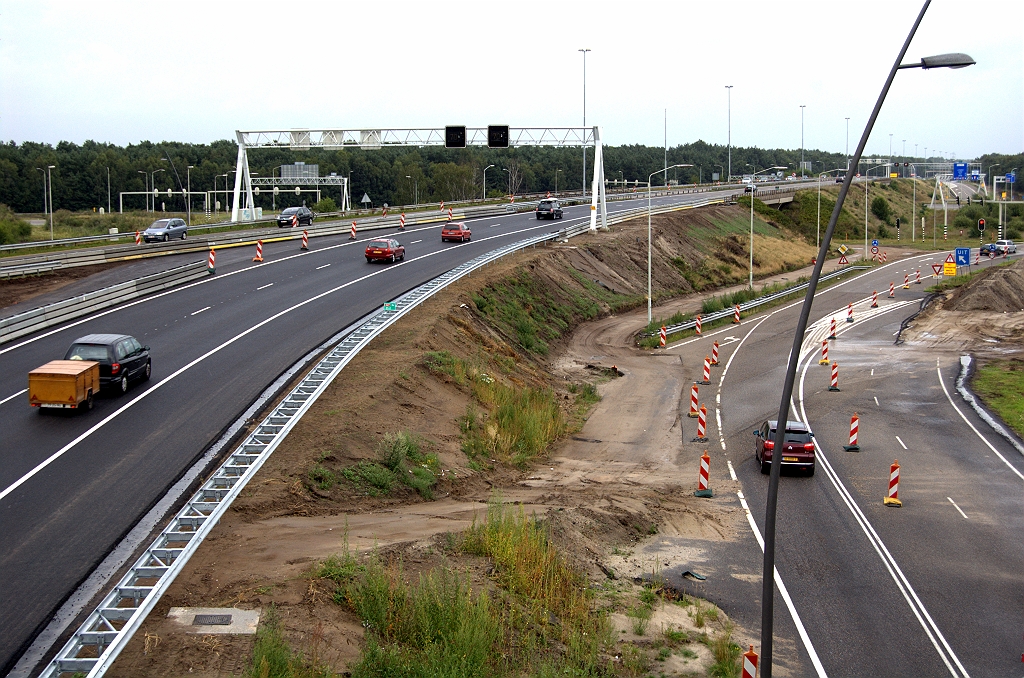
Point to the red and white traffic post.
(736, 315)
(703, 481)
(832, 332)
(874, 298)
(702, 426)
(849, 313)
(259, 251)
(892, 289)
(750, 663)
(824, 353)
(449, 214)
(693, 401)
(854, 427)
(906, 281)
(138, 238)
(917, 280)
(401, 222)
(662, 336)
(714, 353)
(442, 206)
(893, 497)
(834, 384)
(211, 262)
(707, 371)
(305, 240)
(352, 232)
(384, 212)
(698, 325)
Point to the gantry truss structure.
(333, 139)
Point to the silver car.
(1007, 246)
(165, 229)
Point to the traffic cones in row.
(874, 298)
(706, 380)
(693, 402)
(211, 262)
(698, 326)
(893, 496)
(736, 315)
(892, 290)
(703, 480)
(714, 353)
(702, 426)
(854, 428)
(259, 251)
(832, 333)
(849, 313)
(662, 336)
(834, 383)
(305, 241)
(824, 353)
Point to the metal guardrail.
(42, 317)
(103, 635)
(752, 304)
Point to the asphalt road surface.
(72, 486)
(929, 589)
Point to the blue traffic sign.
(874, 243)
(1010, 177)
(959, 170)
(963, 256)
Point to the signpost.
(949, 268)
(937, 269)
(843, 249)
(390, 306)
(959, 170)
(874, 243)
(963, 257)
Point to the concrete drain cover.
(211, 620)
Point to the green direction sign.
(391, 306)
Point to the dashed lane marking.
(264, 286)
(900, 440)
(958, 508)
(12, 397)
(200, 310)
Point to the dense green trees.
(392, 175)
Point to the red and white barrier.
(834, 384)
(874, 298)
(384, 212)
(707, 371)
(442, 206)
(750, 663)
(977, 257)
(703, 481)
(693, 401)
(824, 353)
(714, 353)
(211, 262)
(884, 257)
(449, 214)
(736, 315)
(832, 332)
(893, 497)
(698, 324)
(352, 232)
(295, 220)
(906, 281)
(854, 427)
(401, 222)
(702, 426)
(259, 251)
(917, 280)
(662, 336)
(849, 313)
(892, 289)
(305, 240)
(138, 238)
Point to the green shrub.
(325, 205)
(880, 208)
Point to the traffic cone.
(401, 222)
(750, 663)
(874, 298)
(693, 402)
(698, 323)
(449, 214)
(906, 281)
(832, 333)
(834, 384)
(352, 232)
(893, 497)
(305, 241)
(849, 313)
(854, 426)
(917, 280)
(736, 315)
(714, 353)
(702, 426)
(138, 238)
(662, 336)
(211, 262)
(824, 353)
(259, 251)
(707, 371)
(892, 290)
(703, 488)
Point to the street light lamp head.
(953, 60)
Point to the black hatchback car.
(549, 209)
(295, 216)
(121, 357)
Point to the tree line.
(398, 176)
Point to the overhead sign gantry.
(454, 136)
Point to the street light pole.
(152, 184)
(817, 242)
(108, 190)
(145, 182)
(802, 107)
(649, 179)
(273, 191)
(188, 192)
(753, 187)
(485, 179)
(49, 180)
(729, 118)
(584, 124)
(767, 578)
(556, 181)
(44, 189)
(847, 144)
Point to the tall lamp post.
(720, 168)
(802, 107)
(584, 123)
(152, 184)
(556, 181)
(753, 186)
(49, 180)
(665, 170)
(989, 171)
(44, 188)
(866, 182)
(817, 242)
(485, 180)
(108, 190)
(509, 179)
(273, 193)
(145, 180)
(728, 176)
(188, 191)
(767, 578)
(847, 144)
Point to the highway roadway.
(72, 486)
(930, 589)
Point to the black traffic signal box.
(497, 136)
(455, 136)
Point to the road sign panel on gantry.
(959, 170)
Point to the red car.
(797, 448)
(384, 250)
(456, 231)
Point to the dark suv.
(121, 357)
(549, 209)
(295, 216)
(797, 448)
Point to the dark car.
(384, 250)
(456, 230)
(749, 188)
(797, 446)
(121, 357)
(989, 250)
(296, 216)
(165, 229)
(549, 209)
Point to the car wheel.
(148, 371)
(183, 234)
(167, 238)
(88, 401)
(369, 260)
(766, 467)
(810, 471)
(392, 258)
(538, 217)
(123, 384)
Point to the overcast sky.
(123, 72)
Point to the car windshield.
(793, 436)
(96, 352)
(162, 223)
(547, 203)
(379, 244)
(290, 210)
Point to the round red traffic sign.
(874, 250)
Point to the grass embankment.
(1000, 384)
(399, 461)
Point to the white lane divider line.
(924, 618)
(415, 241)
(324, 266)
(900, 441)
(200, 310)
(876, 401)
(12, 397)
(263, 287)
(732, 471)
(872, 371)
(957, 508)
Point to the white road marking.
(958, 508)
(872, 371)
(12, 397)
(200, 310)
(324, 266)
(900, 440)
(876, 400)
(264, 287)
(732, 471)
(415, 241)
